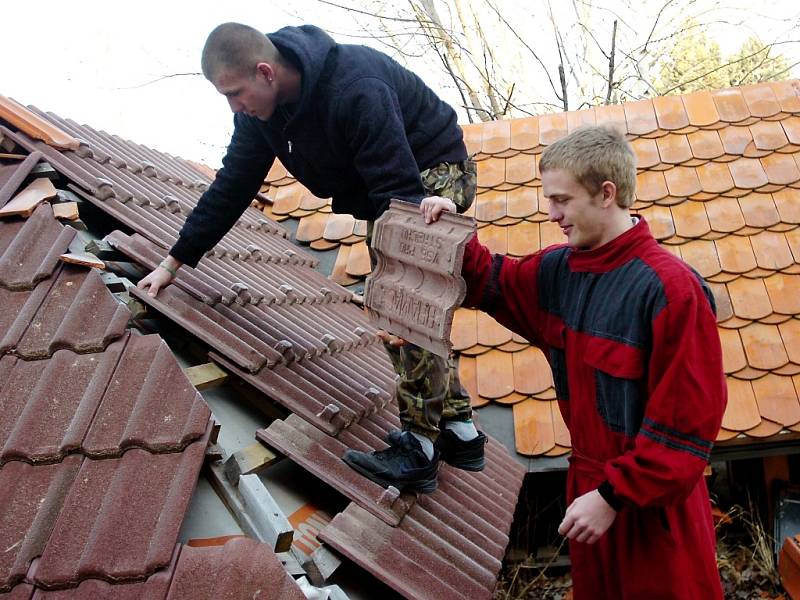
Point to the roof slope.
(719, 183)
(292, 334)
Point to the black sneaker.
(403, 464)
(460, 454)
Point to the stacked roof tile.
(719, 183)
(270, 319)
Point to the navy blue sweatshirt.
(363, 129)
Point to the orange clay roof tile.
(533, 427)
(749, 298)
(731, 105)
(784, 293)
(670, 112)
(524, 134)
(761, 101)
(552, 127)
(705, 144)
(495, 374)
(700, 109)
(640, 117)
(744, 408)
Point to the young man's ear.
(609, 189)
(266, 71)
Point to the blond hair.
(236, 49)
(594, 155)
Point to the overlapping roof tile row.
(718, 180)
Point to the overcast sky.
(100, 63)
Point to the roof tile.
(725, 215)
(759, 210)
(522, 202)
(691, 220)
(790, 334)
(533, 427)
(647, 154)
(749, 298)
(242, 568)
(742, 412)
(735, 254)
(763, 346)
(495, 374)
(781, 169)
(682, 181)
(523, 238)
(674, 149)
(700, 109)
(731, 105)
(706, 144)
(784, 293)
(768, 135)
(702, 255)
(787, 94)
(733, 357)
(761, 100)
(651, 186)
(787, 205)
(496, 137)
(771, 250)
(640, 117)
(670, 112)
(492, 204)
(552, 127)
(532, 373)
(520, 169)
(524, 133)
(777, 399)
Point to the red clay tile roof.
(273, 321)
(719, 183)
(102, 438)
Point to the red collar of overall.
(613, 254)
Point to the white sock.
(426, 443)
(465, 430)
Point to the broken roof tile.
(242, 568)
(36, 127)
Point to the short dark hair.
(237, 48)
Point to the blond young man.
(629, 332)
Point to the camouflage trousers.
(428, 388)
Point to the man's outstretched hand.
(432, 207)
(160, 277)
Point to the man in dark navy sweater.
(351, 124)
